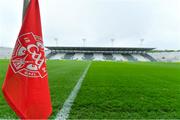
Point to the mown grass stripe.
(65, 110)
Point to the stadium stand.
(129, 57)
(69, 56)
(51, 55)
(166, 56)
(58, 56)
(98, 57)
(5, 52)
(100, 53)
(78, 56)
(140, 57)
(88, 56)
(119, 57)
(149, 57)
(108, 56)
(47, 52)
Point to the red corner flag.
(26, 85)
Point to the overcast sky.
(98, 21)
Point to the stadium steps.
(88, 56)
(147, 56)
(51, 54)
(141, 58)
(68, 56)
(129, 57)
(108, 56)
(98, 57)
(119, 57)
(58, 56)
(78, 56)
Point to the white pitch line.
(64, 112)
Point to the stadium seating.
(69, 56)
(129, 57)
(166, 56)
(88, 56)
(58, 56)
(139, 57)
(47, 52)
(78, 56)
(149, 57)
(145, 57)
(98, 57)
(51, 54)
(119, 57)
(108, 56)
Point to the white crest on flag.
(28, 58)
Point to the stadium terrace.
(100, 53)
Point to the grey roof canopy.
(99, 49)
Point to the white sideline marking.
(65, 110)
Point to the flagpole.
(26, 2)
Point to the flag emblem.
(28, 56)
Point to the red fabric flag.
(26, 84)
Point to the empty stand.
(69, 56)
(78, 56)
(149, 57)
(58, 56)
(139, 57)
(47, 52)
(129, 57)
(88, 56)
(98, 57)
(166, 56)
(109, 53)
(119, 57)
(108, 56)
(50, 55)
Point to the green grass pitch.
(63, 76)
(112, 90)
